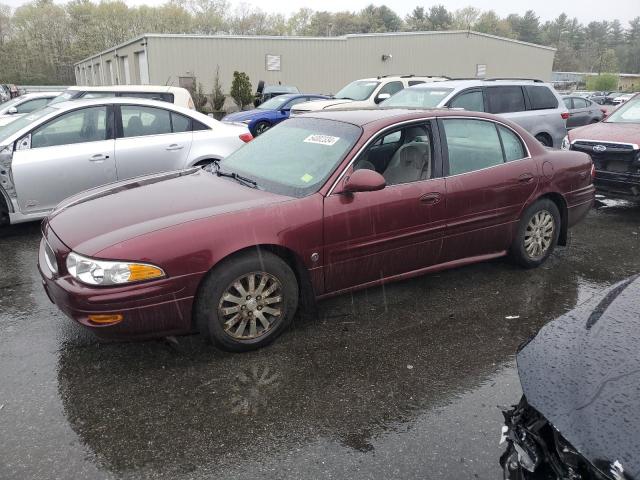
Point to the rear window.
(505, 99)
(541, 97)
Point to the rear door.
(65, 155)
(580, 115)
(489, 178)
(150, 140)
(374, 235)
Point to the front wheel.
(537, 234)
(247, 301)
(261, 127)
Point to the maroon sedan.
(614, 146)
(320, 205)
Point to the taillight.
(603, 110)
(246, 137)
(565, 115)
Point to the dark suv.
(532, 104)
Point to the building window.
(481, 70)
(125, 69)
(272, 63)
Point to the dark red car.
(320, 205)
(614, 146)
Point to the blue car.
(271, 112)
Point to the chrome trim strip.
(418, 120)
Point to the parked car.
(177, 95)
(364, 93)
(321, 204)
(614, 147)
(599, 97)
(582, 111)
(578, 417)
(5, 95)
(12, 90)
(619, 100)
(27, 103)
(271, 112)
(611, 96)
(532, 104)
(267, 92)
(69, 147)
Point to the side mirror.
(382, 97)
(12, 111)
(364, 181)
(284, 111)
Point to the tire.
(531, 230)
(4, 213)
(244, 308)
(544, 139)
(261, 127)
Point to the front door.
(489, 178)
(151, 140)
(370, 236)
(66, 155)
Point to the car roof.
(125, 88)
(460, 83)
(39, 94)
(68, 104)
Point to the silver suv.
(532, 104)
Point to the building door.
(143, 68)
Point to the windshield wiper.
(238, 178)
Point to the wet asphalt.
(396, 382)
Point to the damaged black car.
(579, 417)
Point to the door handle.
(430, 198)
(525, 178)
(98, 158)
(174, 146)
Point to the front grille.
(584, 145)
(616, 157)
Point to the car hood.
(608, 132)
(582, 372)
(96, 219)
(244, 115)
(321, 104)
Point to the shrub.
(605, 82)
(199, 98)
(241, 90)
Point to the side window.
(505, 99)
(391, 88)
(403, 156)
(513, 148)
(197, 126)
(472, 145)
(568, 102)
(472, 101)
(541, 97)
(180, 123)
(579, 103)
(98, 95)
(31, 105)
(295, 101)
(138, 121)
(78, 126)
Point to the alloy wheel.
(261, 128)
(251, 306)
(538, 236)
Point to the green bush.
(241, 90)
(217, 97)
(605, 82)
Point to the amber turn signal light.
(106, 319)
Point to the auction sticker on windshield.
(322, 139)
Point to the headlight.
(566, 144)
(100, 272)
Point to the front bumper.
(149, 309)
(618, 184)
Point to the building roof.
(342, 38)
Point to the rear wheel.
(537, 234)
(261, 127)
(247, 301)
(544, 139)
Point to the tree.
(490, 22)
(217, 96)
(465, 18)
(241, 90)
(440, 18)
(417, 21)
(380, 19)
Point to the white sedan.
(19, 106)
(69, 147)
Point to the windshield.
(628, 113)
(63, 97)
(296, 157)
(274, 104)
(358, 90)
(418, 98)
(24, 121)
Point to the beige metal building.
(314, 65)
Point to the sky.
(585, 10)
